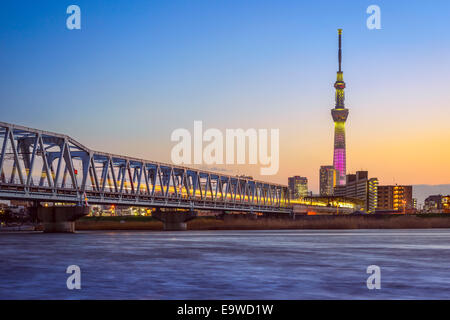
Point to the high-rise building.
(298, 186)
(359, 186)
(339, 114)
(395, 197)
(327, 180)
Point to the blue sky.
(137, 70)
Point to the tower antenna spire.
(340, 48)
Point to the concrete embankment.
(261, 223)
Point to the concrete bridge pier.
(174, 220)
(60, 219)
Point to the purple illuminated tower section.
(340, 114)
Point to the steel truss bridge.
(37, 165)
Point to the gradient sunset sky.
(137, 70)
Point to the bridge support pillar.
(60, 219)
(174, 220)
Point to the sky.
(138, 70)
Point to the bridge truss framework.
(37, 165)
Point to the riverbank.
(261, 223)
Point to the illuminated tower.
(339, 114)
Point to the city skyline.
(217, 158)
(236, 66)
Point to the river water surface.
(288, 264)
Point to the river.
(287, 264)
